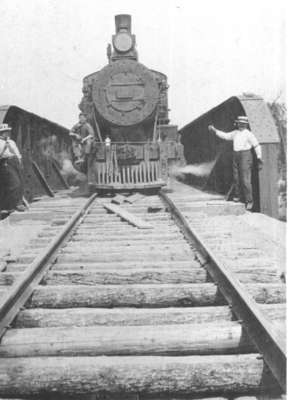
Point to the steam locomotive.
(127, 104)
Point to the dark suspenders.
(6, 146)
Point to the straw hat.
(4, 127)
(242, 120)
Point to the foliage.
(279, 112)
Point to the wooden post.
(42, 179)
(60, 176)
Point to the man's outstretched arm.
(221, 134)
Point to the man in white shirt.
(11, 182)
(243, 140)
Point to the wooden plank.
(135, 197)
(118, 199)
(42, 179)
(128, 374)
(131, 218)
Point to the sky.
(210, 51)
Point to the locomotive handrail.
(23, 288)
(259, 329)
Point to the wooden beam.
(131, 218)
(42, 179)
(58, 173)
(118, 199)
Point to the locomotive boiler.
(127, 104)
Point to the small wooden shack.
(201, 146)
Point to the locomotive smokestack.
(123, 23)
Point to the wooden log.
(69, 317)
(161, 295)
(274, 311)
(125, 276)
(8, 278)
(176, 241)
(267, 293)
(100, 221)
(3, 291)
(76, 240)
(99, 230)
(85, 266)
(257, 275)
(40, 317)
(159, 218)
(115, 248)
(143, 374)
(190, 264)
(176, 254)
(124, 214)
(129, 232)
(210, 338)
(134, 237)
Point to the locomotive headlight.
(123, 42)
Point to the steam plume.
(198, 170)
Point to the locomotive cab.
(127, 103)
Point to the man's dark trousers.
(11, 183)
(242, 167)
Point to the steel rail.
(266, 338)
(23, 288)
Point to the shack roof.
(254, 107)
(7, 112)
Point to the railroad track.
(101, 308)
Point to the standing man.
(83, 135)
(243, 140)
(11, 181)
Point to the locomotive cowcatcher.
(127, 104)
